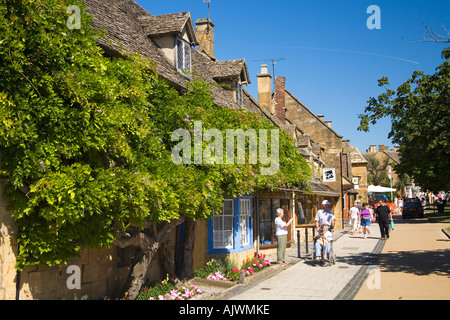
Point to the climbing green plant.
(85, 139)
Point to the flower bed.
(221, 271)
(255, 264)
(215, 270)
(216, 276)
(167, 290)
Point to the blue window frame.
(231, 231)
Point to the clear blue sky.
(331, 59)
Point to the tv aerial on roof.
(208, 2)
(271, 60)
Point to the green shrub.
(156, 290)
(224, 266)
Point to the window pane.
(244, 221)
(180, 54)
(228, 239)
(228, 207)
(265, 231)
(264, 209)
(223, 226)
(218, 223)
(300, 213)
(187, 57)
(275, 205)
(227, 223)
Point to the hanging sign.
(329, 175)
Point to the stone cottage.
(327, 152)
(247, 222)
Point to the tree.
(419, 113)
(85, 143)
(377, 174)
(433, 36)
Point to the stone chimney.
(320, 116)
(382, 148)
(279, 97)
(346, 145)
(265, 88)
(372, 148)
(328, 123)
(205, 36)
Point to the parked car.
(412, 208)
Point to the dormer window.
(232, 74)
(174, 35)
(183, 56)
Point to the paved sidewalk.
(414, 264)
(300, 279)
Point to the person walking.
(359, 206)
(366, 217)
(400, 206)
(325, 216)
(281, 234)
(354, 216)
(383, 215)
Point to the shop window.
(267, 215)
(305, 212)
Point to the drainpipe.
(17, 284)
(342, 192)
(256, 224)
(293, 213)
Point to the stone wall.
(8, 251)
(101, 272)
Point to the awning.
(352, 191)
(316, 187)
(373, 188)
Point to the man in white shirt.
(281, 234)
(325, 216)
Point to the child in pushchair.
(323, 248)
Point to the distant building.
(359, 169)
(385, 158)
